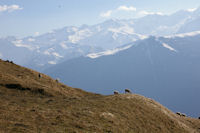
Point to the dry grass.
(31, 104)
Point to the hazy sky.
(29, 17)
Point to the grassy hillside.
(29, 104)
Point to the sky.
(22, 18)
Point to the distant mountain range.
(164, 68)
(41, 52)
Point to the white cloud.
(11, 8)
(125, 8)
(119, 9)
(150, 13)
(106, 14)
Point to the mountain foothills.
(164, 68)
(33, 102)
(70, 42)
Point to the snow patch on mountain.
(168, 47)
(19, 43)
(57, 55)
(31, 40)
(123, 30)
(52, 62)
(79, 35)
(142, 37)
(184, 34)
(51, 51)
(108, 52)
(63, 45)
(1, 56)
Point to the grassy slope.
(32, 104)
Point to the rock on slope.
(32, 104)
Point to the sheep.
(181, 114)
(9, 61)
(184, 115)
(178, 113)
(39, 75)
(127, 91)
(116, 92)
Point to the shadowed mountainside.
(32, 104)
(157, 67)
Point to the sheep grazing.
(181, 114)
(9, 61)
(178, 113)
(39, 75)
(128, 91)
(116, 92)
(184, 115)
